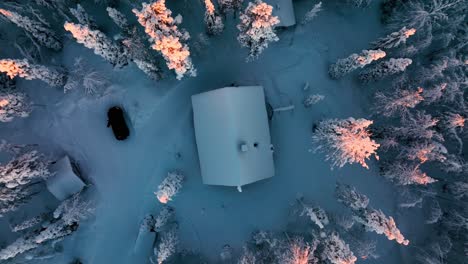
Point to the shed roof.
(64, 183)
(232, 135)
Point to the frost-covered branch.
(353, 62)
(13, 105)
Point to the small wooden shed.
(233, 136)
(64, 181)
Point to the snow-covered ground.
(126, 174)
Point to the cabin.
(64, 181)
(232, 136)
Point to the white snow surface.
(64, 182)
(126, 174)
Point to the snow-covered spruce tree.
(297, 251)
(24, 69)
(83, 18)
(118, 18)
(99, 43)
(36, 29)
(213, 21)
(346, 141)
(418, 126)
(135, 46)
(336, 251)
(399, 102)
(316, 214)
(423, 151)
(74, 209)
(166, 37)
(163, 218)
(13, 105)
(394, 40)
(406, 174)
(247, 256)
(434, 93)
(376, 221)
(257, 28)
(349, 196)
(311, 14)
(354, 61)
(166, 247)
(169, 187)
(12, 199)
(28, 223)
(24, 169)
(384, 69)
(227, 6)
(421, 14)
(313, 99)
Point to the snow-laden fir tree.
(384, 69)
(36, 29)
(166, 37)
(394, 40)
(399, 102)
(316, 214)
(213, 21)
(247, 257)
(311, 14)
(376, 221)
(423, 151)
(83, 18)
(313, 99)
(13, 104)
(336, 251)
(22, 170)
(346, 141)
(135, 46)
(28, 71)
(227, 6)
(406, 174)
(434, 93)
(349, 196)
(256, 28)
(166, 248)
(118, 18)
(169, 187)
(99, 43)
(423, 15)
(297, 251)
(354, 61)
(454, 124)
(12, 199)
(418, 126)
(163, 218)
(28, 223)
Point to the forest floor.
(125, 174)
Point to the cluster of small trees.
(43, 230)
(426, 107)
